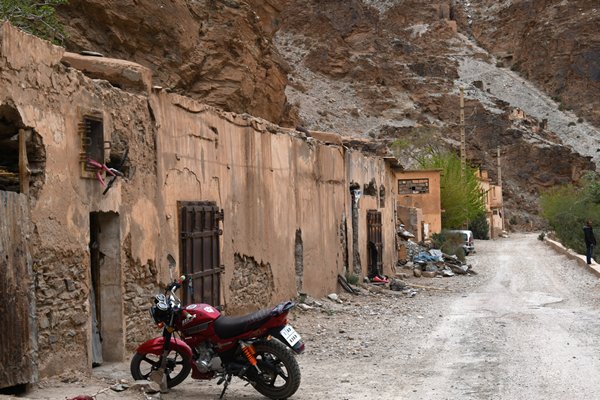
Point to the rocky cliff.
(554, 43)
(217, 51)
(389, 69)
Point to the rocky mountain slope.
(389, 69)
(553, 43)
(218, 51)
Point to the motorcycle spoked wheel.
(280, 372)
(177, 369)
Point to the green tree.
(36, 17)
(568, 207)
(461, 196)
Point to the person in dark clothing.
(590, 241)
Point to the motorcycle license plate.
(290, 335)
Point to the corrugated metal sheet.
(17, 340)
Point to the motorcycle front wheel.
(280, 373)
(177, 369)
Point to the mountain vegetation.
(36, 17)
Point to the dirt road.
(525, 327)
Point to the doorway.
(201, 251)
(374, 242)
(106, 293)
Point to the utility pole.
(463, 145)
(500, 185)
(499, 168)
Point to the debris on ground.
(346, 285)
(403, 233)
(433, 263)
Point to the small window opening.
(93, 138)
(381, 196)
(370, 189)
(22, 154)
(413, 186)
(91, 132)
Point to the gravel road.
(524, 327)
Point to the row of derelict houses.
(254, 213)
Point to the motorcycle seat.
(228, 327)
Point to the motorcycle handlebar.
(173, 286)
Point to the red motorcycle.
(258, 348)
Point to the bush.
(352, 278)
(38, 18)
(480, 227)
(567, 208)
(460, 194)
(449, 243)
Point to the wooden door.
(17, 341)
(200, 251)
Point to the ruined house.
(419, 202)
(252, 212)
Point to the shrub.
(38, 18)
(460, 194)
(449, 243)
(567, 208)
(480, 227)
(352, 278)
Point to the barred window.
(413, 186)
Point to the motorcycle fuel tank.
(199, 317)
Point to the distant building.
(492, 197)
(419, 202)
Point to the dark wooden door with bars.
(374, 242)
(199, 224)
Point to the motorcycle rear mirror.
(171, 261)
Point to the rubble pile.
(434, 263)
(413, 249)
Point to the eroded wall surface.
(286, 201)
(376, 183)
(279, 192)
(51, 100)
(429, 202)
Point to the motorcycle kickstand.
(225, 380)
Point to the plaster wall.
(362, 170)
(429, 202)
(270, 185)
(51, 100)
(277, 189)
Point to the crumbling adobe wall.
(51, 99)
(140, 286)
(277, 187)
(370, 174)
(252, 284)
(271, 184)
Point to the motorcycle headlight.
(160, 311)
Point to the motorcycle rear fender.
(298, 348)
(155, 346)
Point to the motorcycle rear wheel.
(280, 377)
(178, 366)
